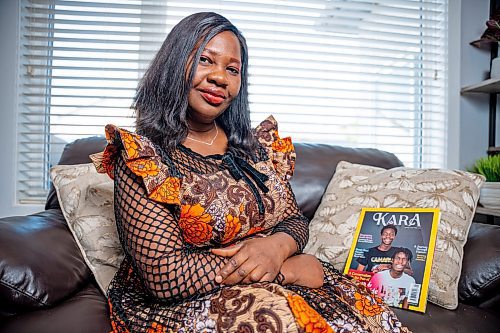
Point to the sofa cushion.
(86, 200)
(480, 279)
(85, 312)
(40, 264)
(76, 152)
(465, 319)
(356, 186)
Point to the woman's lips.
(212, 98)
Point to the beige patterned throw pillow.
(86, 200)
(356, 186)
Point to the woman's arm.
(151, 237)
(293, 222)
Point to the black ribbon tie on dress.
(239, 168)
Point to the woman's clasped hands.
(262, 259)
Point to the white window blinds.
(348, 72)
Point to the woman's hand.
(255, 260)
(303, 270)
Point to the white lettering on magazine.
(388, 218)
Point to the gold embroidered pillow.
(355, 186)
(86, 200)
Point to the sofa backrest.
(316, 164)
(314, 168)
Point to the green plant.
(488, 167)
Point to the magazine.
(392, 252)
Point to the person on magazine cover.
(393, 284)
(380, 254)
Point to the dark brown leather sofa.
(45, 285)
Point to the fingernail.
(218, 279)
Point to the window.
(362, 73)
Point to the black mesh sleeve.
(151, 237)
(294, 223)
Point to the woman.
(211, 230)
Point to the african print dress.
(172, 208)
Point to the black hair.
(389, 226)
(407, 252)
(161, 100)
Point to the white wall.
(9, 12)
(472, 133)
(468, 122)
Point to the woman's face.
(217, 79)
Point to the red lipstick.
(213, 96)
(212, 99)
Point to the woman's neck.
(204, 136)
(201, 127)
(197, 125)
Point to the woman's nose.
(218, 76)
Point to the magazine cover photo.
(392, 254)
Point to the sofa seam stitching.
(486, 284)
(22, 292)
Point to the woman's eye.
(204, 60)
(233, 70)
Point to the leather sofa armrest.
(480, 280)
(40, 263)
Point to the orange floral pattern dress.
(171, 209)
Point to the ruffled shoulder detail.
(142, 159)
(280, 150)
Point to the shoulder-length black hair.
(161, 101)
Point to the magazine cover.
(392, 254)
